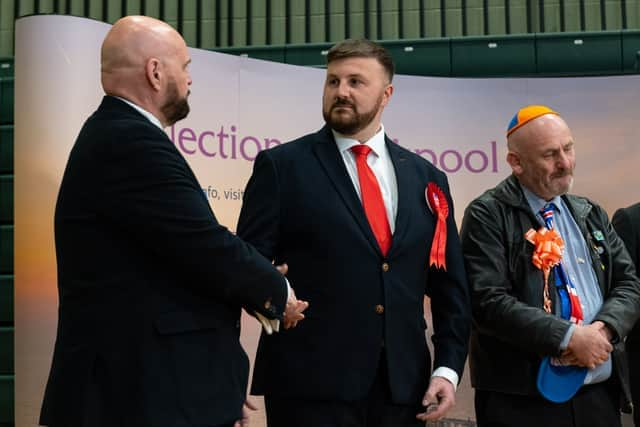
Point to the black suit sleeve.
(259, 220)
(628, 232)
(621, 307)
(150, 192)
(450, 302)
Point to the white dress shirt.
(380, 163)
(153, 119)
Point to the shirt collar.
(153, 119)
(536, 203)
(376, 142)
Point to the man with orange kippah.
(554, 292)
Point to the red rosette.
(437, 202)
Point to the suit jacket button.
(385, 267)
(379, 309)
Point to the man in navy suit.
(345, 208)
(150, 284)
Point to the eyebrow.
(348, 76)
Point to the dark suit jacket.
(627, 224)
(300, 207)
(150, 286)
(626, 221)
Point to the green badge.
(597, 234)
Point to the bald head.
(143, 60)
(540, 127)
(542, 157)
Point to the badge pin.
(597, 234)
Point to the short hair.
(362, 48)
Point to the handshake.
(292, 313)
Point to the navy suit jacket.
(150, 286)
(300, 207)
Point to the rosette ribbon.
(547, 253)
(438, 203)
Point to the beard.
(349, 124)
(175, 108)
(565, 188)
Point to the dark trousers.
(376, 410)
(633, 356)
(593, 406)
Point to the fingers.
(439, 398)
(588, 347)
(294, 307)
(251, 405)
(294, 313)
(246, 408)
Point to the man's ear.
(515, 162)
(388, 91)
(153, 72)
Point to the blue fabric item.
(561, 289)
(513, 122)
(581, 274)
(559, 383)
(560, 277)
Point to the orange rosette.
(547, 253)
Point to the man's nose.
(343, 90)
(564, 160)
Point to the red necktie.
(372, 198)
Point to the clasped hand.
(589, 346)
(292, 312)
(295, 307)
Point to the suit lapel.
(402, 168)
(331, 161)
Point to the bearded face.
(344, 116)
(355, 93)
(175, 107)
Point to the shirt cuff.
(288, 289)
(567, 337)
(273, 325)
(448, 374)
